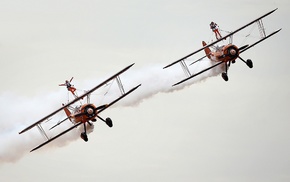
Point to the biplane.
(83, 114)
(225, 54)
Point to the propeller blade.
(102, 107)
(243, 47)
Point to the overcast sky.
(209, 131)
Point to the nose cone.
(233, 52)
(90, 111)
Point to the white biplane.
(83, 114)
(225, 54)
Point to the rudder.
(206, 50)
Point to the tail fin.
(206, 50)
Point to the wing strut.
(185, 68)
(41, 130)
(252, 45)
(120, 85)
(261, 28)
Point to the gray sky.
(211, 131)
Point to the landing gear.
(249, 63)
(84, 136)
(109, 122)
(225, 76)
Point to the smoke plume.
(18, 112)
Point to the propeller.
(90, 111)
(243, 47)
(102, 107)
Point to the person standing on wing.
(215, 29)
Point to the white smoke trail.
(18, 112)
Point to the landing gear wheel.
(84, 136)
(249, 63)
(109, 122)
(225, 76)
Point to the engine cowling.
(90, 111)
(232, 52)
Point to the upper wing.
(75, 100)
(248, 47)
(121, 97)
(211, 44)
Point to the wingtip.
(34, 149)
(137, 86)
(168, 65)
(275, 32)
(129, 66)
(273, 10)
(22, 131)
(177, 83)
